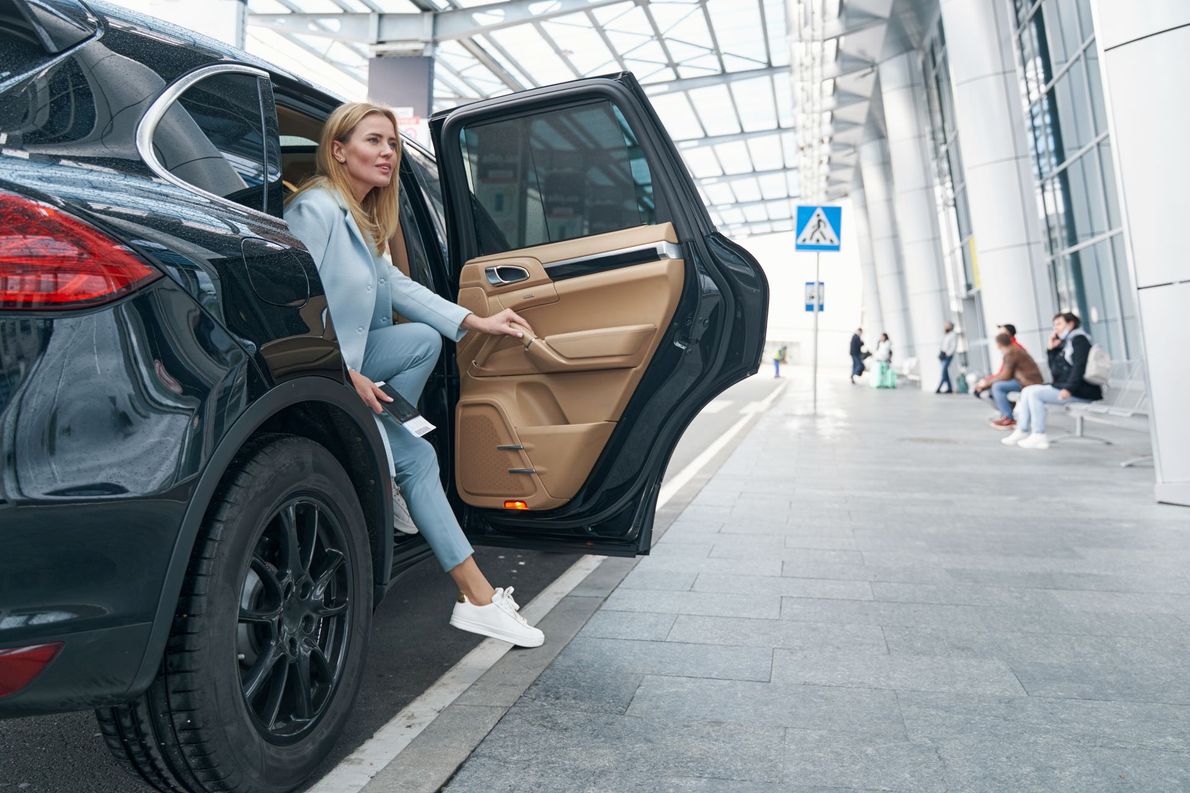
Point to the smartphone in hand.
(402, 411)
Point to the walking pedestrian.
(779, 357)
(857, 354)
(950, 344)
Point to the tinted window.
(555, 175)
(425, 173)
(57, 107)
(420, 269)
(23, 49)
(212, 137)
(39, 29)
(274, 199)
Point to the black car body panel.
(118, 422)
(89, 535)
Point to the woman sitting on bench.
(1069, 348)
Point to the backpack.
(1098, 370)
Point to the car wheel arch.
(317, 408)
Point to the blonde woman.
(345, 215)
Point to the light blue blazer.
(362, 287)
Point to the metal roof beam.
(748, 226)
(731, 137)
(425, 26)
(757, 203)
(691, 83)
(735, 177)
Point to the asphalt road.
(412, 646)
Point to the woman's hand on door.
(506, 323)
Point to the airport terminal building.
(994, 180)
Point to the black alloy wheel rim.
(294, 620)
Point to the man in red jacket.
(986, 383)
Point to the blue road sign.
(811, 293)
(819, 228)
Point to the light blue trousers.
(1030, 410)
(403, 356)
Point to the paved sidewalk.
(883, 598)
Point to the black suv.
(195, 507)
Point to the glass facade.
(950, 194)
(1077, 199)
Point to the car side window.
(555, 175)
(213, 137)
(418, 257)
(425, 173)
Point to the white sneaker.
(1035, 441)
(500, 619)
(1016, 437)
(402, 520)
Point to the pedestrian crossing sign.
(818, 228)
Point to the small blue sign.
(819, 228)
(812, 293)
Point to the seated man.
(986, 382)
(1018, 370)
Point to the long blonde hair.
(377, 215)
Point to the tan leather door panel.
(535, 413)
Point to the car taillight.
(20, 665)
(49, 259)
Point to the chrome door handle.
(504, 274)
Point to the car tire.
(226, 711)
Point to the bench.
(908, 370)
(1125, 404)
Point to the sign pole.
(817, 305)
(818, 229)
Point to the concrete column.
(1144, 53)
(890, 280)
(903, 95)
(872, 314)
(1012, 279)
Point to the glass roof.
(735, 131)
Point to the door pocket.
(495, 465)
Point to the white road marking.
(683, 477)
(357, 769)
(716, 406)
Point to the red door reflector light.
(51, 260)
(515, 505)
(19, 665)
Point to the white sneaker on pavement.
(402, 520)
(1035, 441)
(1016, 437)
(500, 619)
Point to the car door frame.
(577, 524)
